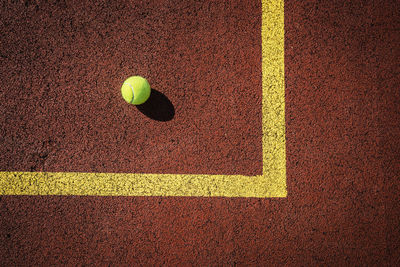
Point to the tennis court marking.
(272, 182)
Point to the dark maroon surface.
(63, 66)
(342, 209)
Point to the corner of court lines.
(272, 182)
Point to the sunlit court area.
(199, 133)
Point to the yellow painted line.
(272, 183)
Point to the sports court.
(269, 137)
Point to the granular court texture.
(62, 65)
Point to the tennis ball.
(135, 90)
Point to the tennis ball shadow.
(158, 107)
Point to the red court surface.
(342, 146)
(67, 61)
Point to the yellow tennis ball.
(136, 90)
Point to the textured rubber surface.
(63, 67)
(342, 208)
(270, 183)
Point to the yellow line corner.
(272, 183)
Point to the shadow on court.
(158, 107)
